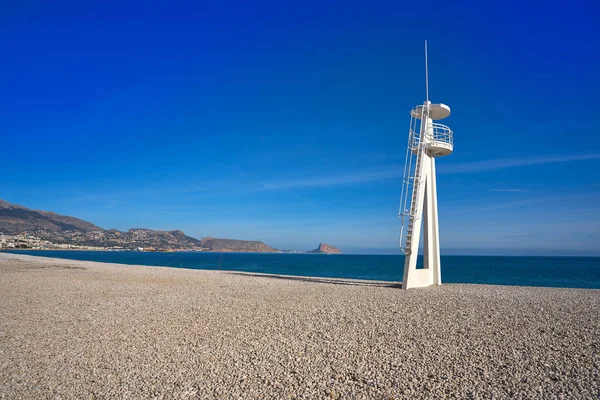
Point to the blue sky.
(287, 121)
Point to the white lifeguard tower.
(418, 200)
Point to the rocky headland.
(324, 248)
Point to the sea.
(570, 272)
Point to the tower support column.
(431, 226)
(426, 218)
(414, 277)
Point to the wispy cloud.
(396, 171)
(503, 163)
(334, 180)
(521, 236)
(318, 180)
(511, 204)
(540, 199)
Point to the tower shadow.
(332, 281)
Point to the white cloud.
(334, 180)
(396, 172)
(503, 163)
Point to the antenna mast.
(426, 75)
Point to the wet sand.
(77, 329)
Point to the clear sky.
(287, 121)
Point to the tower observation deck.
(439, 138)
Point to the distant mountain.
(145, 238)
(61, 229)
(232, 245)
(17, 219)
(326, 249)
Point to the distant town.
(27, 241)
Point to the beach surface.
(78, 329)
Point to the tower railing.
(441, 134)
(436, 134)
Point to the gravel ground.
(72, 329)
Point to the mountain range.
(65, 230)
(16, 219)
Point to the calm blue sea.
(575, 272)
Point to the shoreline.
(5, 250)
(316, 279)
(74, 329)
(193, 251)
(199, 266)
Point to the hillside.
(141, 237)
(65, 230)
(16, 219)
(232, 245)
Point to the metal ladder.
(411, 183)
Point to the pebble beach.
(78, 329)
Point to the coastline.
(178, 251)
(315, 279)
(86, 329)
(532, 271)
